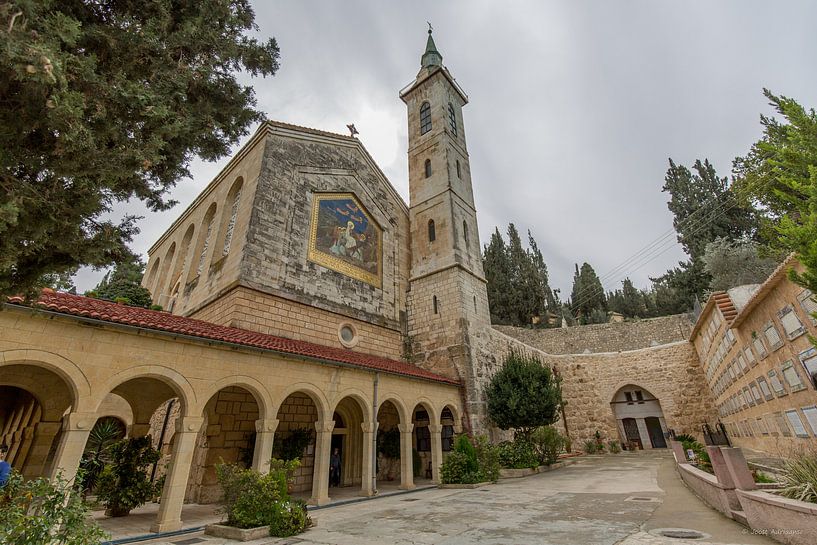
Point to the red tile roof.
(107, 311)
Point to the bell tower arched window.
(428, 168)
(432, 231)
(452, 119)
(465, 231)
(425, 118)
(459, 171)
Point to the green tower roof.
(431, 57)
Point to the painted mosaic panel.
(344, 237)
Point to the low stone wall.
(787, 521)
(706, 486)
(613, 337)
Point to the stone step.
(740, 517)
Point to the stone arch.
(153, 277)
(68, 371)
(255, 387)
(229, 209)
(655, 389)
(398, 403)
(639, 417)
(161, 288)
(171, 378)
(203, 243)
(175, 286)
(427, 404)
(351, 414)
(361, 399)
(317, 396)
(452, 406)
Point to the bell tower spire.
(447, 300)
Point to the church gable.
(300, 245)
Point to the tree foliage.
(735, 263)
(124, 281)
(587, 298)
(37, 511)
(518, 288)
(628, 301)
(780, 173)
(108, 101)
(524, 394)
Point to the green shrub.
(799, 478)
(291, 518)
(590, 446)
(684, 437)
(252, 500)
(548, 444)
(124, 484)
(614, 447)
(488, 459)
(761, 477)
(37, 511)
(517, 454)
(461, 466)
(701, 456)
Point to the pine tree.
(588, 300)
(109, 101)
(497, 267)
(125, 282)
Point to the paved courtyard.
(606, 500)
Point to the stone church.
(300, 292)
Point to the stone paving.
(616, 499)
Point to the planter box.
(707, 487)
(788, 521)
(465, 486)
(238, 534)
(527, 471)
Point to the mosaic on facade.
(343, 237)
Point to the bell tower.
(447, 298)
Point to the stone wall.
(298, 411)
(269, 314)
(613, 337)
(670, 372)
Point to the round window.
(347, 334)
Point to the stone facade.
(756, 355)
(612, 337)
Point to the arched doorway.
(639, 418)
(295, 437)
(388, 443)
(33, 401)
(347, 438)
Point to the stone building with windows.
(759, 362)
(303, 296)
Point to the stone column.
(436, 451)
(75, 430)
(644, 433)
(738, 468)
(678, 451)
(719, 467)
(37, 459)
(406, 457)
(264, 436)
(320, 474)
(170, 508)
(366, 480)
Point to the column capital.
(406, 428)
(435, 428)
(266, 425)
(369, 427)
(189, 424)
(79, 421)
(324, 426)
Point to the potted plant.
(125, 483)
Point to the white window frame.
(789, 366)
(774, 380)
(760, 347)
(770, 327)
(756, 393)
(783, 424)
(808, 304)
(765, 389)
(808, 359)
(787, 314)
(796, 423)
(750, 356)
(811, 417)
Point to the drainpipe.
(162, 436)
(374, 435)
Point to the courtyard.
(624, 499)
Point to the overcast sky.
(575, 106)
